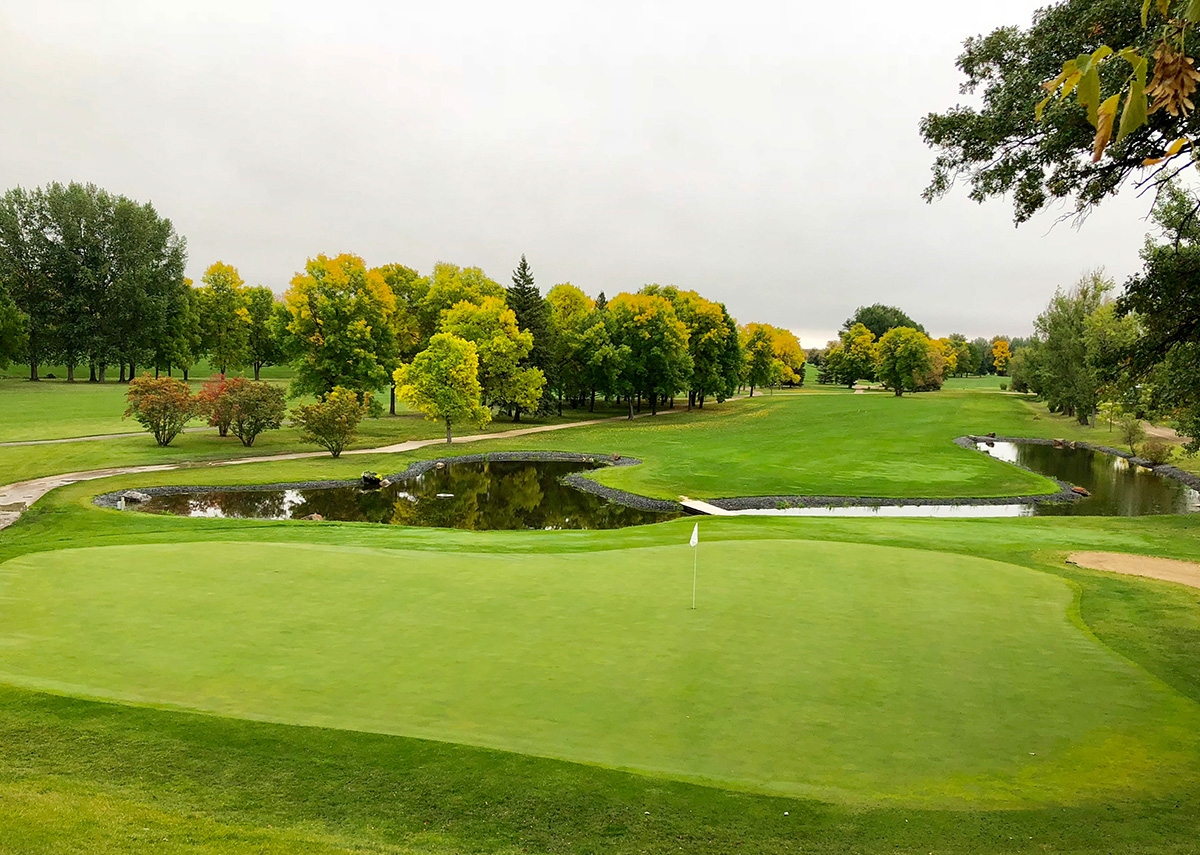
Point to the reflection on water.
(1118, 488)
(477, 496)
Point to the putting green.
(841, 671)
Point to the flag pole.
(695, 558)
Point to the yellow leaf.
(1105, 116)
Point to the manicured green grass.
(982, 383)
(832, 445)
(831, 670)
(94, 776)
(871, 445)
(911, 658)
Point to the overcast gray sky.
(765, 154)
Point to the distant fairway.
(848, 672)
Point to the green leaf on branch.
(1089, 93)
(1192, 13)
(1133, 116)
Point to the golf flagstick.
(695, 555)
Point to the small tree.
(1132, 431)
(443, 382)
(332, 422)
(213, 402)
(162, 405)
(253, 408)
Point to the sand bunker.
(1167, 569)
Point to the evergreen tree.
(533, 315)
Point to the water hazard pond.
(532, 494)
(476, 495)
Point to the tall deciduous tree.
(98, 277)
(450, 284)
(759, 358)
(1001, 355)
(339, 328)
(1059, 367)
(502, 345)
(262, 344)
(1165, 297)
(570, 321)
(409, 288)
(225, 318)
(905, 361)
(24, 260)
(12, 330)
(853, 357)
(879, 318)
(443, 382)
(659, 364)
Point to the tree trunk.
(92, 372)
(631, 407)
(560, 402)
(516, 414)
(899, 391)
(393, 409)
(121, 379)
(103, 371)
(447, 431)
(185, 375)
(132, 370)
(33, 366)
(751, 390)
(654, 403)
(155, 372)
(71, 373)
(592, 406)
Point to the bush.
(1003, 387)
(1157, 451)
(161, 405)
(212, 402)
(332, 421)
(253, 408)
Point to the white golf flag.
(695, 535)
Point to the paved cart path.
(16, 498)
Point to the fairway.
(848, 672)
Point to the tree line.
(1133, 354)
(89, 279)
(882, 343)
